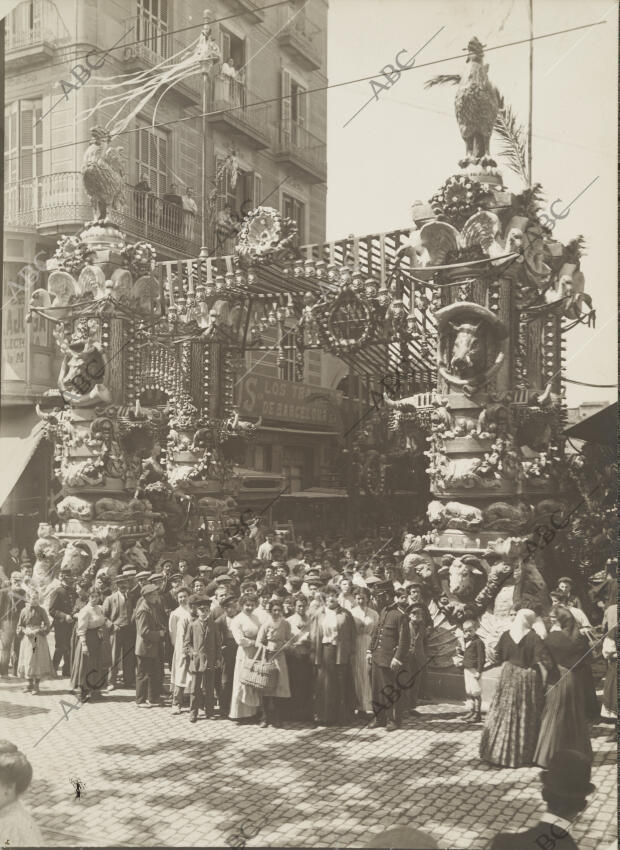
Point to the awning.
(601, 427)
(316, 493)
(20, 433)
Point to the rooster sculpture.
(102, 173)
(476, 105)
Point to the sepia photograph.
(309, 424)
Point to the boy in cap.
(202, 646)
(474, 657)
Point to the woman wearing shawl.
(34, 661)
(512, 724)
(564, 724)
(334, 651)
(177, 625)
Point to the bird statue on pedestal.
(102, 173)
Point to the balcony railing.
(56, 199)
(302, 148)
(154, 46)
(300, 38)
(235, 100)
(32, 24)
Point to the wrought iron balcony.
(34, 30)
(55, 201)
(237, 114)
(155, 46)
(299, 39)
(301, 149)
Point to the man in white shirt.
(264, 550)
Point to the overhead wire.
(310, 91)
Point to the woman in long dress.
(564, 724)
(512, 724)
(299, 660)
(177, 625)
(90, 663)
(34, 662)
(245, 701)
(365, 619)
(273, 634)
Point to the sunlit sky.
(404, 144)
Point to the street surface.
(154, 779)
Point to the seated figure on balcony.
(172, 209)
(143, 201)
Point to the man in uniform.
(387, 654)
(62, 600)
(149, 640)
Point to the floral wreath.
(457, 200)
(263, 233)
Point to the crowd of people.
(330, 634)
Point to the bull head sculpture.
(468, 349)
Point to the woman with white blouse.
(92, 656)
(365, 620)
(245, 701)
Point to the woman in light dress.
(34, 661)
(178, 623)
(365, 621)
(245, 701)
(274, 634)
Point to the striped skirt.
(512, 723)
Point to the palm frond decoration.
(514, 137)
(442, 80)
(575, 250)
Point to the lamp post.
(209, 55)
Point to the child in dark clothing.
(474, 657)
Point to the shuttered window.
(152, 159)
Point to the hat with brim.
(142, 576)
(203, 568)
(130, 572)
(176, 577)
(372, 581)
(314, 581)
(567, 579)
(229, 600)
(202, 601)
(383, 587)
(149, 588)
(568, 775)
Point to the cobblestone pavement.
(155, 779)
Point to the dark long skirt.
(610, 689)
(301, 679)
(335, 694)
(89, 672)
(564, 724)
(511, 728)
(585, 681)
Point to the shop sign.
(286, 401)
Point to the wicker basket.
(258, 673)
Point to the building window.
(292, 208)
(233, 48)
(152, 25)
(293, 477)
(294, 110)
(23, 140)
(152, 159)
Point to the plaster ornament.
(454, 515)
(74, 507)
